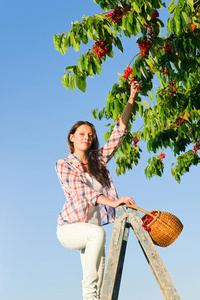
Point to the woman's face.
(82, 138)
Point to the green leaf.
(111, 54)
(137, 26)
(97, 64)
(145, 103)
(70, 69)
(191, 4)
(71, 38)
(94, 113)
(136, 7)
(171, 6)
(169, 26)
(95, 34)
(90, 34)
(118, 43)
(130, 17)
(81, 83)
(84, 38)
(65, 80)
(185, 18)
(76, 45)
(151, 96)
(160, 23)
(101, 113)
(107, 135)
(89, 28)
(57, 42)
(72, 81)
(140, 109)
(80, 64)
(177, 22)
(65, 44)
(182, 3)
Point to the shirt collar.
(74, 160)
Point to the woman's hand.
(109, 202)
(124, 200)
(135, 88)
(124, 119)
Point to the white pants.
(90, 239)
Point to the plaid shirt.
(74, 183)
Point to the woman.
(91, 197)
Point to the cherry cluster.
(172, 88)
(128, 75)
(147, 220)
(162, 155)
(101, 48)
(116, 15)
(154, 15)
(118, 12)
(149, 68)
(196, 147)
(145, 45)
(127, 72)
(179, 121)
(168, 46)
(135, 141)
(164, 71)
(193, 26)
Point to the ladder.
(123, 222)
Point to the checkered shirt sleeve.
(110, 148)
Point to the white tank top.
(94, 211)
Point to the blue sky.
(36, 114)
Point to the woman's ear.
(71, 137)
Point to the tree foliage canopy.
(173, 118)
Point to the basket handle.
(141, 209)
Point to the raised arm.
(124, 118)
(108, 150)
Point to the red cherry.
(147, 228)
(193, 27)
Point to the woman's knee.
(99, 234)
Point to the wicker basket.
(164, 228)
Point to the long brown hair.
(96, 166)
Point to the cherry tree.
(172, 120)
